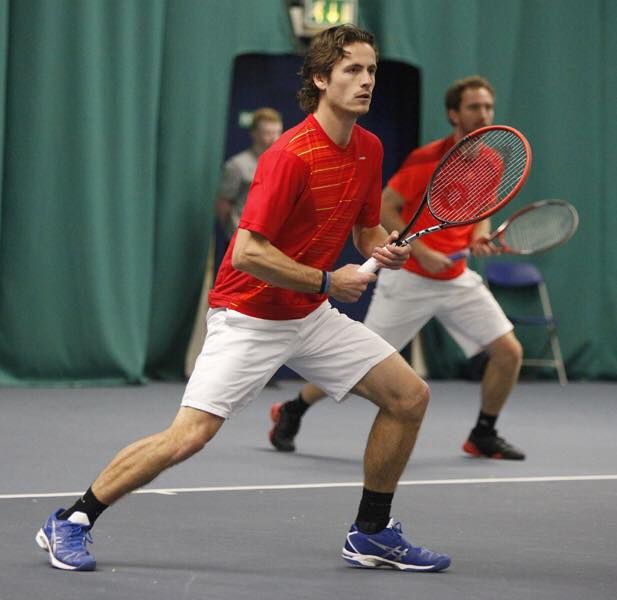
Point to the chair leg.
(555, 346)
(559, 364)
(551, 340)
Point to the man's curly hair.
(326, 49)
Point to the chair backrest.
(512, 274)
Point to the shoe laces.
(397, 528)
(76, 536)
(501, 443)
(289, 423)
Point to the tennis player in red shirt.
(431, 285)
(269, 306)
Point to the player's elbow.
(250, 251)
(244, 257)
(240, 259)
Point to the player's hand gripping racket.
(534, 228)
(479, 175)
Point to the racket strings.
(540, 228)
(497, 171)
(478, 176)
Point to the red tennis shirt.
(410, 182)
(306, 196)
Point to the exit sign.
(320, 14)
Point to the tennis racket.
(534, 228)
(479, 175)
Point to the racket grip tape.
(370, 266)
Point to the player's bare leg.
(311, 393)
(502, 371)
(402, 397)
(66, 532)
(138, 464)
(374, 540)
(500, 376)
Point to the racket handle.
(459, 255)
(370, 266)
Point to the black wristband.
(324, 282)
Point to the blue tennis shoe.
(66, 543)
(388, 548)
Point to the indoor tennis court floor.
(241, 521)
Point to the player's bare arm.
(391, 204)
(254, 254)
(379, 244)
(480, 244)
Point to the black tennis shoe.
(492, 446)
(286, 426)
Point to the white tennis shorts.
(404, 302)
(241, 354)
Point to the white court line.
(313, 486)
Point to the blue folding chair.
(524, 275)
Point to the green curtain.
(80, 146)
(201, 41)
(4, 20)
(553, 65)
(113, 117)
(114, 125)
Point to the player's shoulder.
(432, 151)
(241, 158)
(367, 137)
(294, 137)
(428, 155)
(285, 153)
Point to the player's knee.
(194, 444)
(509, 354)
(515, 352)
(412, 403)
(190, 440)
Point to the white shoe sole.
(43, 544)
(368, 561)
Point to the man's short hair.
(267, 114)
(454, 94)
(326, 49)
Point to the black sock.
(87, 504)
(485, 424)
(374, 511)
(297, 407)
